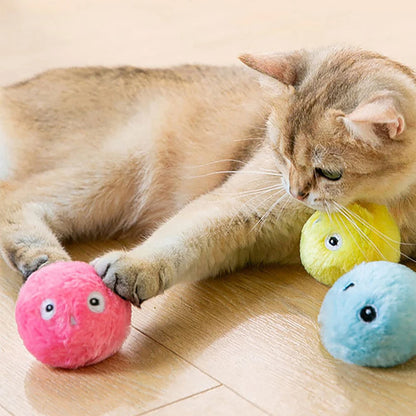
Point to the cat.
(217, 167)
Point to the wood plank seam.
(7, 411)
(179, 400)
(204, 372)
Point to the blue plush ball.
(369, 316)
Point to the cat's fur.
(202, 157)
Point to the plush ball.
(68, 318)
(368, 316)
(332, 244)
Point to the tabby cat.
(217, 167)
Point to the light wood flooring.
(244, 344)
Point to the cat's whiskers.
(232, 161)
(256, 197)
(263, 218)
(258, 191)
(250, 172)
(351, 235)
(214, 162)
(271, 170)
(384, 237)
(377, 231)
(264, 200)
(345, 212)
(283, 207)
(328, 210)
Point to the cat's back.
(79, 88)
(92, 107)
(70, 100)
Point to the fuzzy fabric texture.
(332, 244)
(368, 316)
(68, 318)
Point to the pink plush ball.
(68, 318)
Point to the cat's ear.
(372, 118)
(286, 68)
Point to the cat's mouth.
(319, 204)
(313, 201)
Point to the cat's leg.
(37, 214)
(218, 232)
(27, 237)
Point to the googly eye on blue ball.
(369, 316)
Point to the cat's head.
(341, 125)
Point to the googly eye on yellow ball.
(333, 244)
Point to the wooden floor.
(245, 344)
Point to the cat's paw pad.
(127, 276)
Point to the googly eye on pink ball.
(68, 318)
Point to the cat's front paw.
(128, 276)
(28, 259)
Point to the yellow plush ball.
(332, 244)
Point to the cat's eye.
(47, 309)
(96, 302)
(329, 174)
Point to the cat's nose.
(300, 195)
